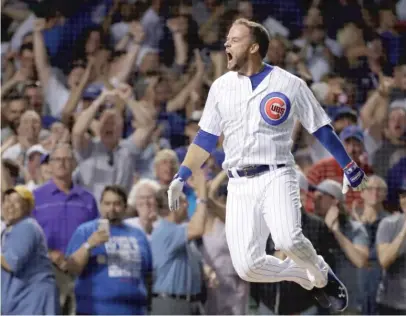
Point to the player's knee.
(251, 270)
(293, 243)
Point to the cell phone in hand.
(104, 224)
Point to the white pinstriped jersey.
(257, 125)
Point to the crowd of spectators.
(99, 102)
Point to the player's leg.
(282, 212)
(247, 234)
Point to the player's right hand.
(174, 193)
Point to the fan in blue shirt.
(112, 261)
(27, 281)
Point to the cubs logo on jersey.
(275, 108)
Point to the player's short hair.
(259, 34)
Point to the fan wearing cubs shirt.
(255, 106)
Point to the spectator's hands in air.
(177, 25)
(199, 63)
(331, 218)
(137, 32)
(124, 92)
(386, 85)
(39, 25)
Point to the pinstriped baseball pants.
(270, 204)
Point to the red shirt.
(330, 169)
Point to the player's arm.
(329, 139)
(316, 121)
(355, 176)
(198, 152)
(205, 140)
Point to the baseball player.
(255, 106)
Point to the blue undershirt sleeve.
(206, 140)
(329, 139)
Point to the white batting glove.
(354, 177)
(174, 193)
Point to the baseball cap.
(352, 132)
(344, 112)
(36, 149)
(48, 120)
(398, 104)
(24, 193)
(332, 188)
(92, 91)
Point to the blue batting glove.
(354, 177)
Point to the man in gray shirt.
(348, 239)
(391, 246)
(109, 159)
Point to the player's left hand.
(354, 177)
(174, 193)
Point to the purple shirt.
(59, 214)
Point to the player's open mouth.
(229, 56)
